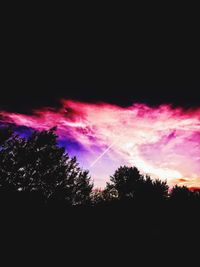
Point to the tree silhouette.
(180, 194)
(97, 197)
(110, 193)
(130, 184)
(197, 195)
(37, 164)
(125, 181)
(5, 134)
(152, 190)
(104, 197)
(82, 189)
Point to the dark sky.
(148, 76)
(115, 63)
(23, 94)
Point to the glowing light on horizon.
(162, 141)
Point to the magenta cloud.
(162, 141)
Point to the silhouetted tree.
(130, 184)
(37, 164)
(82, 189)
(5, 134)
(125, 181)
(97, 197)
(152, 190)
(197, 194)
(110, 193)
(104, 197)
(180, 194)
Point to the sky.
(155, 128)
(134, 97)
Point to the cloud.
(161, 141)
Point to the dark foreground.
(123, 233)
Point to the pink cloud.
(161, 141)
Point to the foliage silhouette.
(129, 183)
(125, 181)
(37, 165)
(5, 134)
(180, 193)
(152, 190)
